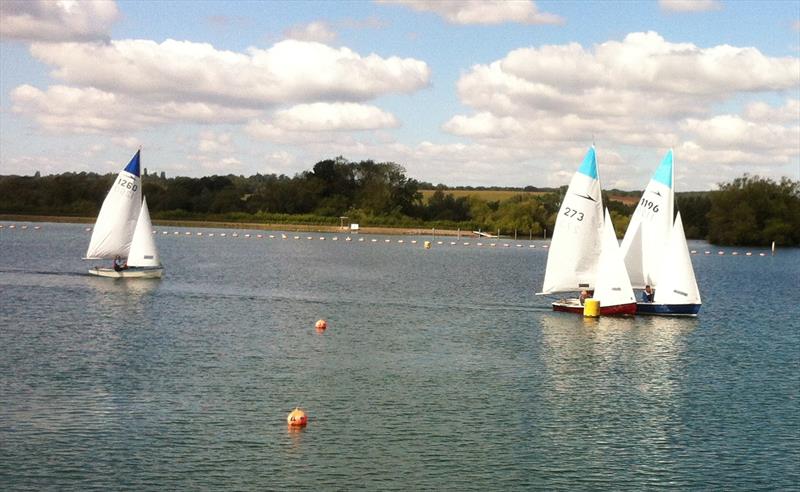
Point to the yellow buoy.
(591, 308)
(321, 325)
(297, 418)
(427, 244)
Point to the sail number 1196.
(648, 205)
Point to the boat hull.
(651, 308)
(574, 306)
(131, 272)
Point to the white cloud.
(63, 109)
(690, 5)
(467, 12)
(320, 123)
(634, 90)
(289, 71)
(762, 112)
(131, 143)
(732, 132)
(57, 20)
(642, 92)
(27, 165)
(334, 117)
(318, 31)
(211, 142)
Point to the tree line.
(747, 211)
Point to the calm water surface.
(439, 370)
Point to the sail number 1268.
(127, 184)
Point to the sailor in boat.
(120, 265)
(647, 294)
(584, 295)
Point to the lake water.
(439, 370)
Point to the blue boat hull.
(667, 309)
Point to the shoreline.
(401, 231)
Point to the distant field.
(501, 195)
(488, 195)
(627, 200)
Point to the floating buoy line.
(427, 244)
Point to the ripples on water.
(440, 370)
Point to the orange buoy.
(297, 418)
(321, 324)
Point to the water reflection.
(615, 385)
(131, 287)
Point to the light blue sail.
(589, 164)
(664, 172)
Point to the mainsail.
(116, 222)
(649, 229)
(575, 245)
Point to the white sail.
(116, 222)
(143, 251)
(677, 284)
(575, 245)
(613, 286)
(649, 229)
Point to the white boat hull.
(132, 272)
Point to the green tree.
(755, 211)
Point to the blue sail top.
(664, 172)
(133, 166)
(589, 164)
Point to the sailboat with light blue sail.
(655, 250)
(584, 253)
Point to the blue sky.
(464, 92)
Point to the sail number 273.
(571, 212)
(127, 184)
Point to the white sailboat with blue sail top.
(655, 250)
(123, 231)
(584, 252)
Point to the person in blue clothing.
(119, 265)
(647, 294)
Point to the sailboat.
(123, 229)
(584, 253)
(655, 250)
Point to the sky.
(479, 93)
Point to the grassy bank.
(246, 225)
